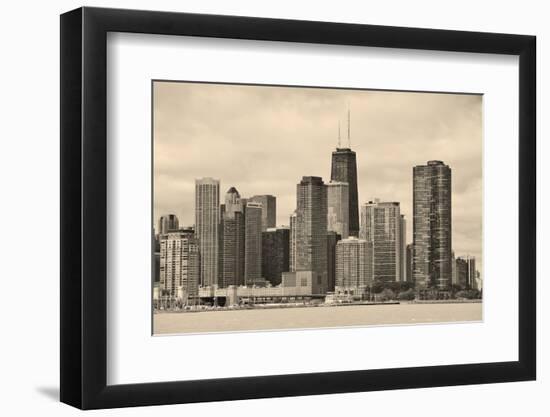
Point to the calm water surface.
(314, 317)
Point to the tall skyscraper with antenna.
(344, 169)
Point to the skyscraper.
(352, 265)
(432, 237)
(232, 240)
(338, 208)
(332, 239)
(167, 222)
(156, 275)
(409, 251)
(344, 169)
(275, 254)
(179, 263)
(292, 242)
(311, 227)
(269, 210)
(381, 228)
(207, 219)
(253, 243)
(156, 245)
(403, 249)
(454, 276)
(466, 272)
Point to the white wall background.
(29, 210)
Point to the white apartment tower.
(352, 266)
(380, 226)
(179, 263)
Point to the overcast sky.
(262, 140)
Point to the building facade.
(156, 248)
(332, 239)
(432, 237)
(269, 210)
(381, 227)
(292, 242)
(409, 256)
(466, 274)
(294, 285)
(275, 254)
(338, 208)
(403, 249)
(253, 243)
(167, 223)
(344, 169)
(232, 240)
(311, 227)
(179, 264)
(454, 275)
(352, 266)
(207, 221)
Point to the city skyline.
(426, 126)
(311, 245)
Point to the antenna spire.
(349, 128)
(339, 137)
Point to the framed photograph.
(257, 208)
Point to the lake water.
(314, 317)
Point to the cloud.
(262, 140)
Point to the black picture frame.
(84, 207)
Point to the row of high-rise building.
(230, 234)
(336, 244)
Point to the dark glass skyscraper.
(432, 239)
(232, 238)
(344, 169)
(253, 243)
(269, 210)
(275, 254)
(332, 239)
(409, 256)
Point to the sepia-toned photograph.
(291, 207)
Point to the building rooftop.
(207, 180)
(263, 195)
(274, 229)
(377, 202)
(312, 180)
